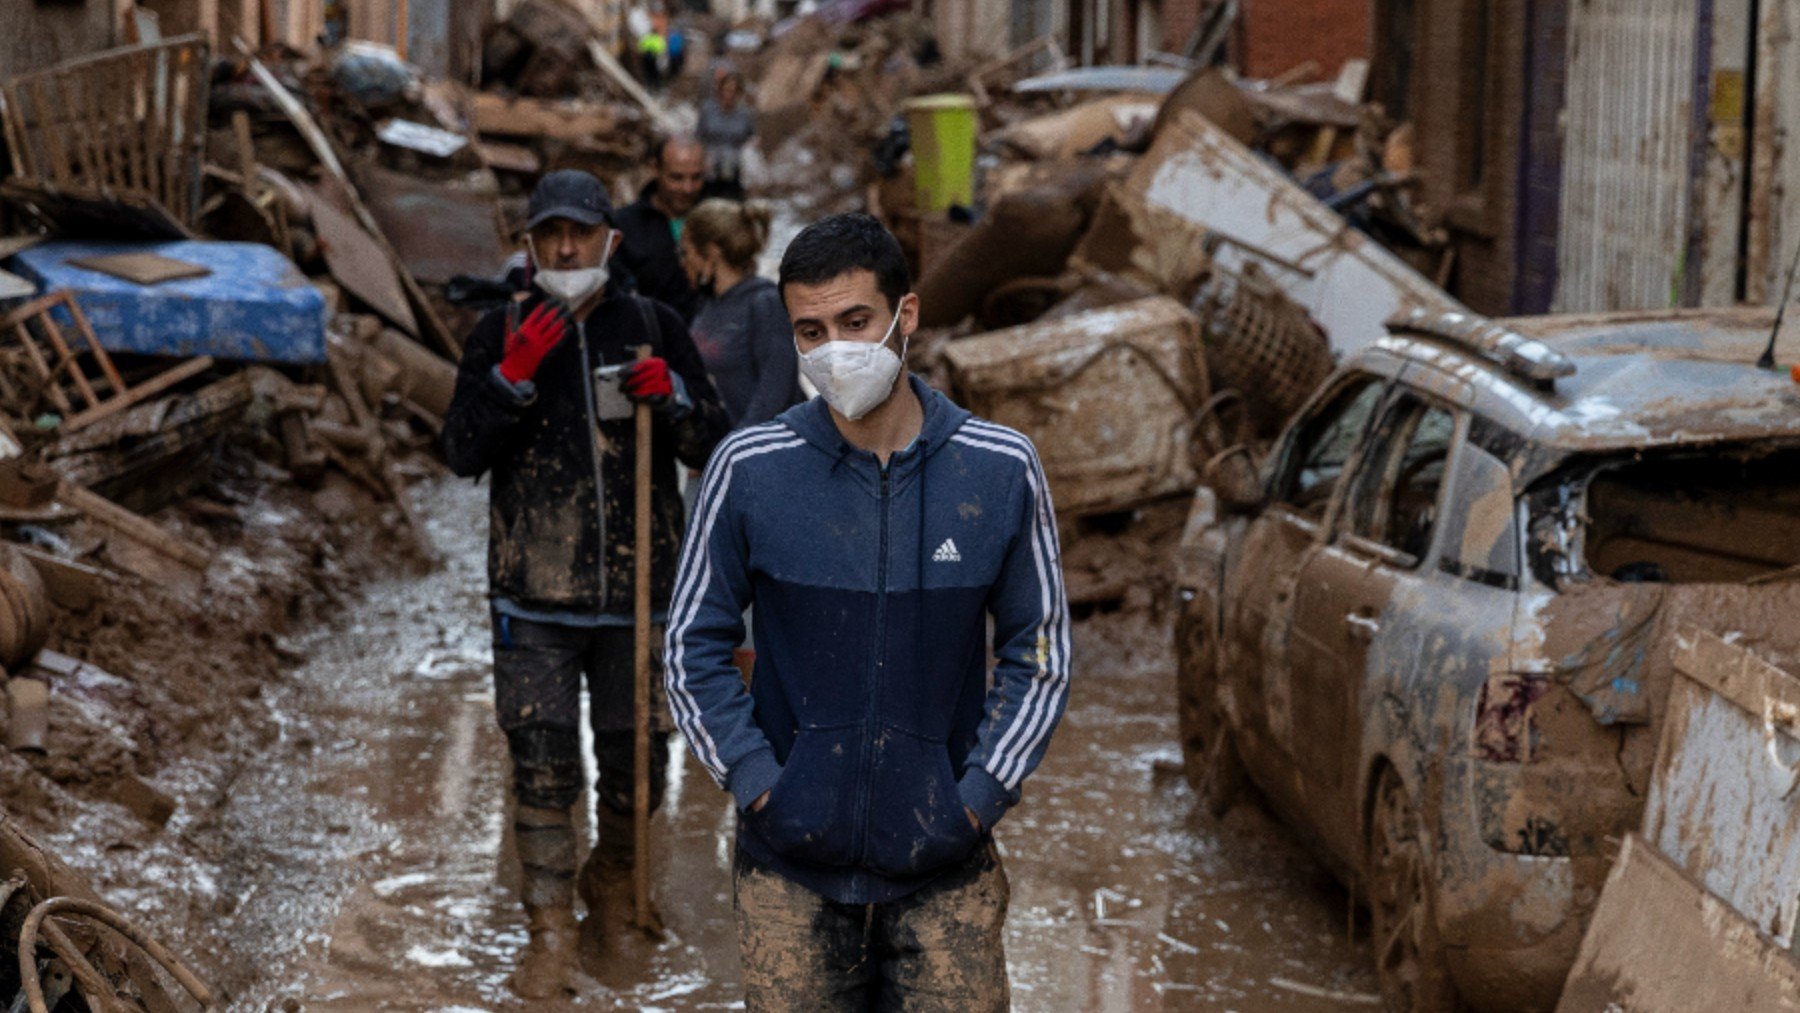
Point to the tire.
(1409, 955)
(1209, 759)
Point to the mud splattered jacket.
(871, 720)
(548, 547)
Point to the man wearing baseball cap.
(536, 409)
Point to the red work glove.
(649, 381)
(526, 346)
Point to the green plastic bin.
(943, 145)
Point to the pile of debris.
(226, 349)
(1157, 268)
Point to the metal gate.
(1632, 150)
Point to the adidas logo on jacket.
(870, 721)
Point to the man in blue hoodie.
(878, 531)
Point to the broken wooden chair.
(79, 380)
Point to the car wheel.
(1409, 956)
(1209, 759)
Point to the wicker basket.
(1262, 344)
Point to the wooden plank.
(134, 526)
(246, 146)
(66, 361)
(566, 120)
(52, 390)
(143, 391)
(59, 156)
(200, 67)
(16, 144)
(167, 115)
(93, 342)
(71, 585)
(141, 268)
(20, 314)
(209, 21)
(659, 115)
(131, 82)
(91, 84)
(152, 135)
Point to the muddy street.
(369, 863)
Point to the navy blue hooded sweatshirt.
(872, 719)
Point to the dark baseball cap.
(571, 194)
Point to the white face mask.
(854, 377)
(572, 288)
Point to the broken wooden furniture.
(79, 380)
(125, 124)
(134, 526)
(154, 452)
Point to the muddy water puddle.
(364, 859)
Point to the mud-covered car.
(1434, 627)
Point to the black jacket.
(545, 537)
(650, 254)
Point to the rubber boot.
(546, 841)
(606, 875)
(547, 965)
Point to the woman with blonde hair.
(742, 328)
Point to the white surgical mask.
(854, 377)
(572, 288)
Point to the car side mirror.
(1233, 477)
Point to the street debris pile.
(226, 347)
(1147, 270)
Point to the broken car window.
(1317, 457)
(1395, 499)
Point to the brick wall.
(1276, 35)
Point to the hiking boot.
(547, 964)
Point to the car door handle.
(1362, 626)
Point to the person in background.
(677, 46)
(726, 125)
(652, 224)
(650, 32)
(742, 328)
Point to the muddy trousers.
(938, 949)
(538, 674)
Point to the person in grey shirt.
(742, 328)
(726, 125)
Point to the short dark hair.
(663, 144)
(835, 246)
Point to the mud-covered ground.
(349, 850)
